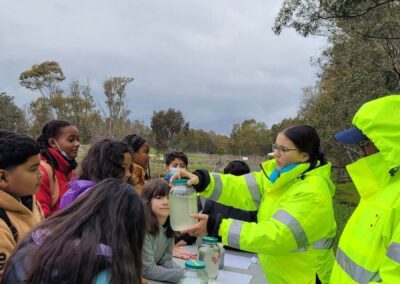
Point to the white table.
(254, 269)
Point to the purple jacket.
(76, 188)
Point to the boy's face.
(22, 180)
(177, 163)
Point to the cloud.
(216, 61)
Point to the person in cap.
(369, 247)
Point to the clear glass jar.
(221, 256)
(210, 253)
(182, 203)
(194, 273)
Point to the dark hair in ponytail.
(50, 130)
(306, 139)
(135, 142)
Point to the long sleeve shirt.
(157, 258)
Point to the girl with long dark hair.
(101, 233)
(141, 158)
(105, 159)
(159, 240)
(59, 144)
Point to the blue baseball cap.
(353, 135)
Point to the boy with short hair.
(173, 162)
(19, 180)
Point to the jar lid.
(195, 264)
(179, 181)
(209, 240)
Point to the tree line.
(168, 130)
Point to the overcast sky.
(216, 61)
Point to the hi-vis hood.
(379, 120)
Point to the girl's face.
(286, 152)
(160, 208)
(141, 157)
(127, 164)
(67, 141)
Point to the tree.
(325, 16)
(43, 77)
(114, 90)
(11, 116)
(251, 137)
(165, 126)
(40, 112)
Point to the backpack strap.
(4, 216)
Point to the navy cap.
(353, 135)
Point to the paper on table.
(237, 261)
(232, 277)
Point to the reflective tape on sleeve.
(394, 252)
(234, 234)
(217, 187)
(254, 189)
(294, 226)
(323, 243)
(355, 271)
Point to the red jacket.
(52, 189)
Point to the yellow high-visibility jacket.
(296, 225)
(369, 248)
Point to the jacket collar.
(296, 173)
(370, 174)
(63, 164)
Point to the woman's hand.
(200, 229)
(193, 179)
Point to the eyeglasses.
(281, 149)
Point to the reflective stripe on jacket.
(369, 247)
(296, 224)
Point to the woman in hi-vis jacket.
(293, 193)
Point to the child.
(212, 208)
(19, 180)
(159, 240)
(173, 162)
(101, 233)
(105, 159)
(59, 143)
(141, 159)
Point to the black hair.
(134, 141)
(306, 139)
(52, 129)
(171, 156)
(104, 160)
(110, 214)
(151, 189)
(237, 168)
(16, 149)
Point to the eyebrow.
(34, 166)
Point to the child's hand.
(143, 281)
(200, 229)
(193, 179)
(179, 252)
(181, 243)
